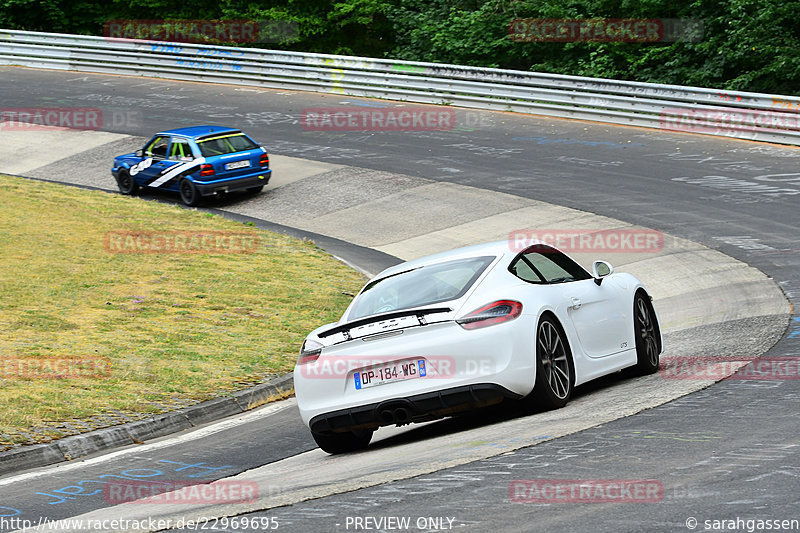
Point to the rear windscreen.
(420, 286)
(225, 144)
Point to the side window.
(525, 270)
(549, 269)
(544, 264)
(180, 150)
(157, 147)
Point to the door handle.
(576, 303)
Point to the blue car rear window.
(225, 144)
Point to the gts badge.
(623, 345)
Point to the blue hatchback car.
(195, 162)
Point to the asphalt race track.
(728, 451)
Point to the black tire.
(336, 443)
(127, 185)
(189, 193)
(555, 374)
(255, 190)
(647, 334)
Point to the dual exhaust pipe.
(396, 414)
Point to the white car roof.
(497, 249)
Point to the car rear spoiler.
(386, 316)
(217, 134)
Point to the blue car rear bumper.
(239, 183)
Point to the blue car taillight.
(206, 170)
(264, 161)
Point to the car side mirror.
(601, 269)
(139, 153)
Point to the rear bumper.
(455, 358)
(417, 408)
(207, 188)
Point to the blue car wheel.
(126, 183)
(189, 193)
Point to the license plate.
(237, 164)
(390, 373)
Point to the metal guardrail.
(754, 116)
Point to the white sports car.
(466, 329)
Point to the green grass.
(176, 327)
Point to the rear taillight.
(206, 170)
(264, 161)
(309, 352)
(491, 314)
